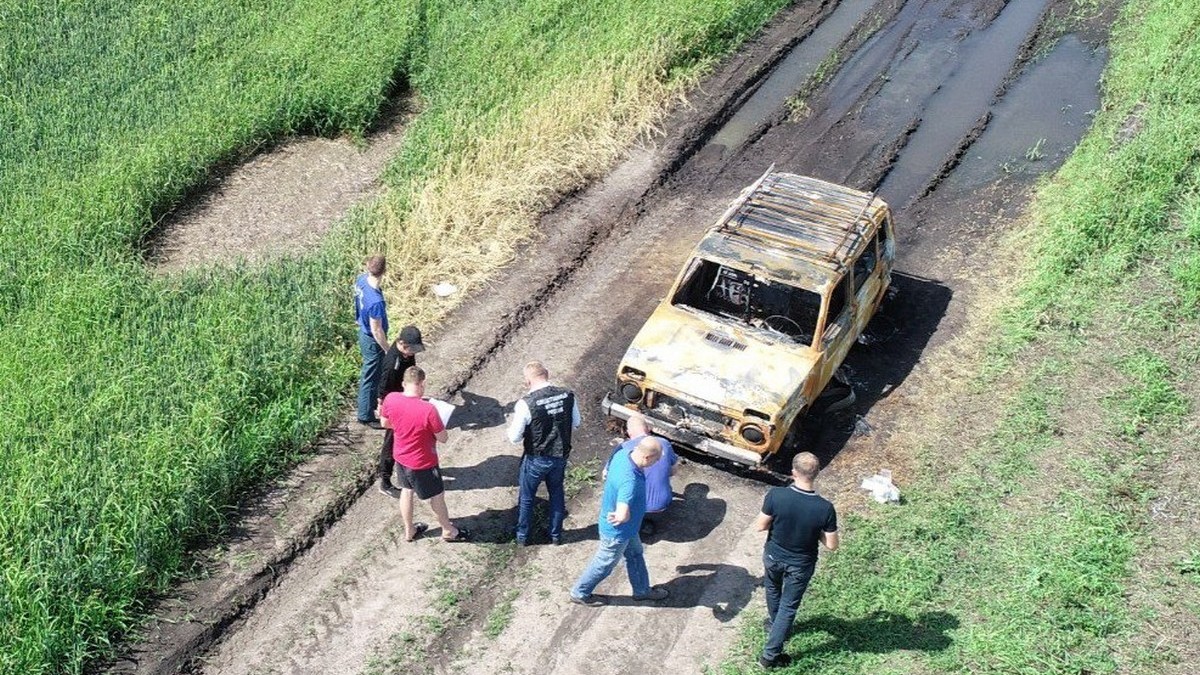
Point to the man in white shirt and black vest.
(543, 421)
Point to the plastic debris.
(444, 289)
(882, 488)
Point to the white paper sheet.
(445, 410)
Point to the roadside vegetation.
(1051, 521)
(135, 409)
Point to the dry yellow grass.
(470, 216)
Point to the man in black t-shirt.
(795, 518)
(400, 356)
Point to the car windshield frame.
(753, 300)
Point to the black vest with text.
(549, 430)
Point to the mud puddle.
(1040, 119)
(789, 76)
(961, 104)
(281, 201)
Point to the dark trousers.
(368, 381)
(387, 463)
(784, 584)
(534, 470)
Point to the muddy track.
(933, 108)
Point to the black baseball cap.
(411, 336)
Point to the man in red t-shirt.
(416, 429)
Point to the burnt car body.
(760, 318)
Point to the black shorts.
(427, 483)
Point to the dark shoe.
(556, 541)
(589, 600)
(781, 661)
(418, 530)
(655, 594)
(463, 535)
(389, 489)
(374, 424)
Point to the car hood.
(716, 362)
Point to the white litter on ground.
(882, 488)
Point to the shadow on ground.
(877, 633)
(478, 412)
(890, 348)
(692, 516)
(725, 589)
(495, 471)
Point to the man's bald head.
(636, 425)
(646, 452)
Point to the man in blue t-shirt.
(621, 510)
(795, 519)
(370, 312)
(658, 475)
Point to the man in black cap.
(400, 356)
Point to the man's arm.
(382, 414)
(385, 372)
(620, 515)
(829, 533)
(830, 539)
(763, 522)
(520, 420)
(442, 436)
(378, 334)
(576, 420)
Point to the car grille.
(689, 416)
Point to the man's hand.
(620, 515)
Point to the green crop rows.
(135, 409)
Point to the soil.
(281, 201)
(938, 107)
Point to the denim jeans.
(784, 584)
(605, 561)
(534, 470)
(368, 382)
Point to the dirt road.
(949, 108)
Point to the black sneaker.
(373, 424)
(388, 489)
(589, 600)
(781, 661)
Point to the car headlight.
(631, 392)
(753, 434)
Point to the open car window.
(711, 287)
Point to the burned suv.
(760, 318)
